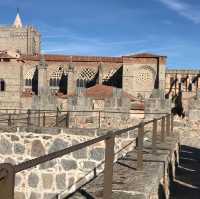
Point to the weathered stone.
(50, 196)
(60, 181)
(17, 180)
(80, 154)
(89, 165)
(97, 154)
(14, 138)
(57, 145)
(48, 164)
(9, 160)
(37, 149)
(19, 195)
(5, 146)
(47, 180)
(68, 164)
(71, 181)
(35, 195)
(33, 180)
(19, 148)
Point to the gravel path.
(187, 182)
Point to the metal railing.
(8, 171)
(46, 118)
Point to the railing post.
(168, 125)
(67, 119)
(172, 123)
(140, 146)
(154, 137)
(163, 129)
(9, 120)
(108, 170)
(57, 117)
(7, 181)
(28, 117)
(44, 119)
(99, 119)
(39, 117)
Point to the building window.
(2, 85)
(28, 82)
(81, 83)
(54, 82)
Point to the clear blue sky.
(114, 27)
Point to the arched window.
(28, 82)
(54, 82)
(51, 82)
(2, 85)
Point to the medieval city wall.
(63, 174)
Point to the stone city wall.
(67, 173)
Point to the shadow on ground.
(187, 182)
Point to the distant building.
(19, 38)
(137, 75)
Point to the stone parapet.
(64, 174)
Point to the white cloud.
(184, 9)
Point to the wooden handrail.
(109, 139)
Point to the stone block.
(33, 180)
(47, 180)
(68, 164)
(80, 154)
(17, 180)
(89, 165)
(19, 148)
(194, 115)
(14, 138)
(57, 145)
(37, 148)
(97, 154)
(10, 160)
(48, 164)
(19, 195)
(50, 196)
(71, 181)
(35, 195)
(60, 181)
(5, 146)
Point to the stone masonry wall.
(62, 175)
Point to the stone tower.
(19, 38)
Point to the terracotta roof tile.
(68, 58)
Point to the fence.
(68, 119)
(8, 171)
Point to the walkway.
(187, 182)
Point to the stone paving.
(187, 184)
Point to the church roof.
(18, 22)
(103, 91)
(70, 58)
(145, 55)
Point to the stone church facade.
(136, 75)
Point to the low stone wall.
(62, 175)
(104, 120)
